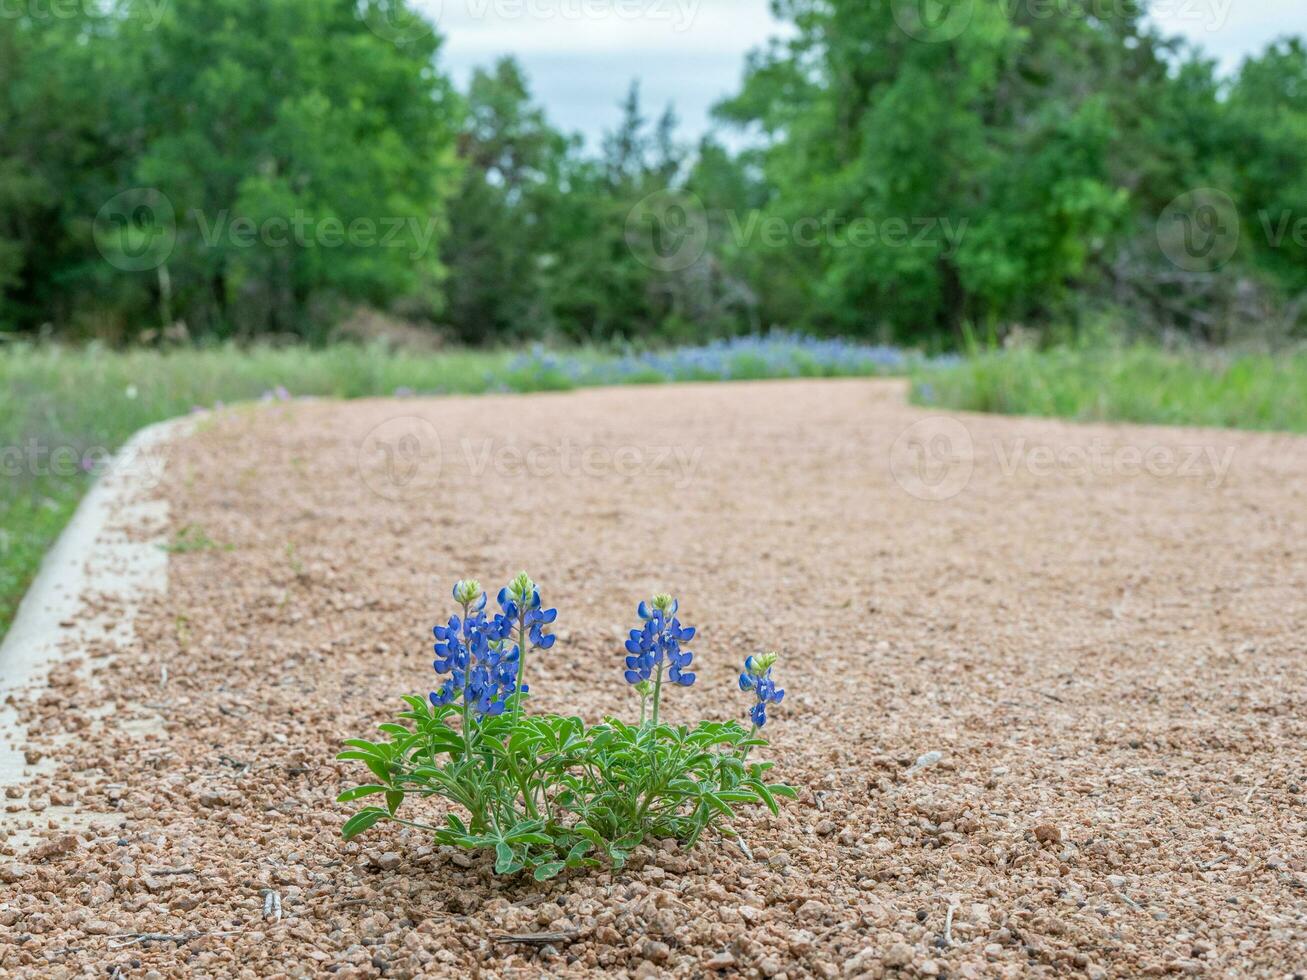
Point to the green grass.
(1136, 384)
(59, 406)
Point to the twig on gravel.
(924, 762)
(539, 938)
(1130, 901)
(173, 871)
(1255, 787)
(948, 922)
(163, 675)
(739, 842)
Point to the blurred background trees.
(215, 169)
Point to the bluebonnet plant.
(757, 678)
(520, 602)
(546, 793)
(656, 647)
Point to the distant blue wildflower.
(757, 678)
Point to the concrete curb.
(95, 553)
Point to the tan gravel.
(1101, 631)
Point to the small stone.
(1046, 833)
(389, 861)
(812, 910)
(99, 927)
(720, 961)
(10, 873)
(655, 951)
(898, 955)
(928, 968)
(993, 951)
(770, 966)
(54, 848)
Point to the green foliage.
(545, 793)
(1136, 384)
(1013, 167)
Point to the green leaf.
(358, 792)
(379, 767)
(767, 797)
(579, 850)
(548, 870)
(393, 799)
(504, 858)
(361, 821)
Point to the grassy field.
(63, 410)
(1137, 384)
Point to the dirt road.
(1102, 629)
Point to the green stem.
(467, 712)
(657, 694)
(749, 748)
(521, 661)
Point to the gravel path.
(1102, 630)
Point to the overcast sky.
(581, 55)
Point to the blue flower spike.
(758, 679)
(523, 612)
(472, 651)
(655, 648)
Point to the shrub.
(545, 792)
